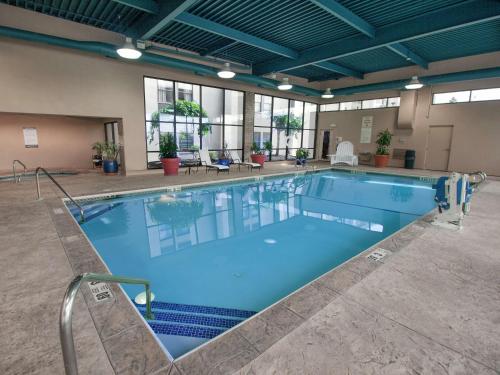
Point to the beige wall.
(64, 142)
(476, 127)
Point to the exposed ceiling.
(314, 39)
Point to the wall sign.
(366, 129)
(100, 290)
(30, 137)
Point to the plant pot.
(381, 161)
(301, 162)
(258, 158)
(170, 166)
(110, 166)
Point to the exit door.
(437, 154)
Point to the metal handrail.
(14, 170)
(82, 216)
(65, 318)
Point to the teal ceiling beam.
(228, 32)
(450, 18)
(346, 15)
(109, 50)
(166, 13)
(219, 48)
(332, 67)
(148, 6)
(408, 54)
(364, 27)
(426, 80)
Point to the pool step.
(93, 210)
(193, 320)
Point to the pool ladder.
(65, 317)
(16, 179)
(37, 172)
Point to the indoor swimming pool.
(215, 255)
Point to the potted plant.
(269, 148)
(168, 155)
(301, 156)
(110, 152)
(257, 154)
(383, 143)
(97, 157)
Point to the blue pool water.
(244, 246)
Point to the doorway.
(437, 153)
(326, 144)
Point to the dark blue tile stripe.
(202, 309)
(189, 331)
(193, 319)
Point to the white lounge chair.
(233, 155)
(344, 155)
(207, 162)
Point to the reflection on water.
(180, 220)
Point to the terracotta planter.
(170, 166)
(258, 158)
(381, 161)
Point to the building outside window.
(288, 124)
(197, 116)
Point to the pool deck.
(431, 307)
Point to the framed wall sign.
(366, 129)
(30, 137)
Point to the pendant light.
(226, 72)
(128, 50)
(284, 84)
(414, 84)
(327, 94)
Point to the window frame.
(175, 122)
(338, 105)
(271, 127)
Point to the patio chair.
(235, 158)
(344, 155)
(207, 162)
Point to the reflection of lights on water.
(237, 274)
(105, 220)
(270, 241)
(166, 198)
(309, 227)
(399, 184)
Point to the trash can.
(410, 159)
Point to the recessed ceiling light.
(128, 50)
(284, 84)
(414, 84)
(327, 94)
(226, 72)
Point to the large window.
(360, 104)
(197, 116)
(466, 96)
(287, 124)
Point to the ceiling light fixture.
(327, 94)
(226, 72)
(128, 50)
(284, 84)
(414, 84)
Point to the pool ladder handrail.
(82, 216)
(16, 180)
(65, 317)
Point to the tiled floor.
(433, 307)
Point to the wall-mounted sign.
(366, 129)
(30, 137)
(100, 290)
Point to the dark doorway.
(326, 144)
